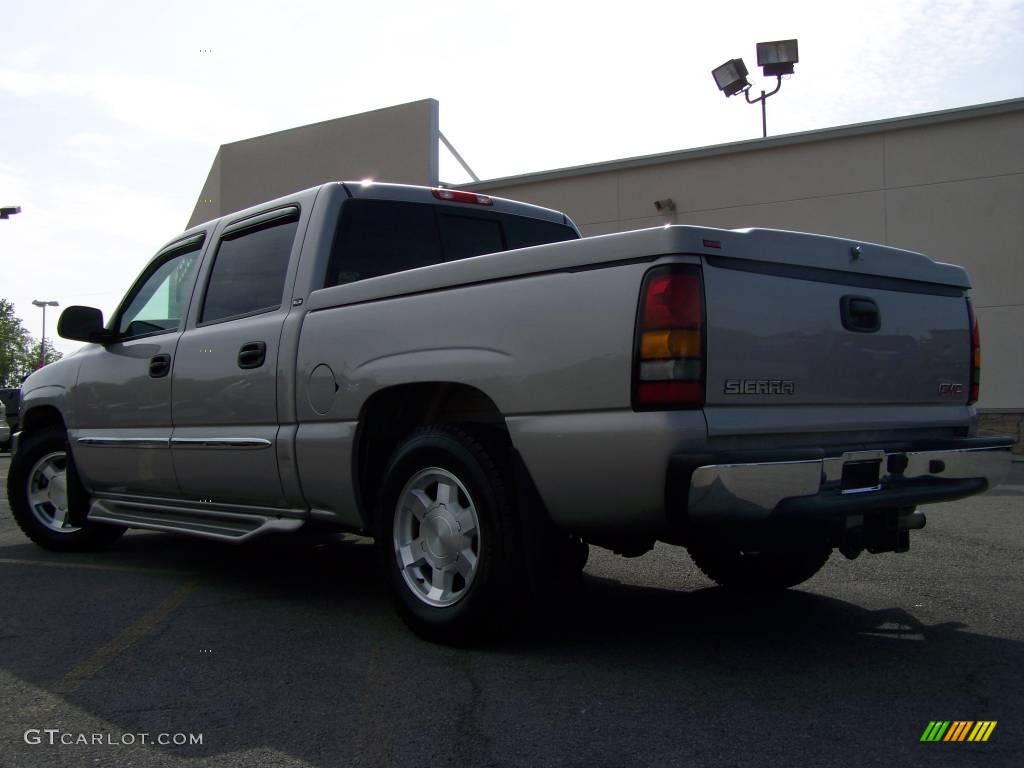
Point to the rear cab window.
(381, 237)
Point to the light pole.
(42, 344)
(775, 59)
(9, 210)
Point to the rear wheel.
(446, 535)
(44, 492)
(772, 565)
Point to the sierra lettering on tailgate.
(759, 387)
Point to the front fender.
(50, 386)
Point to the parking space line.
(94, 566)
(147, 625)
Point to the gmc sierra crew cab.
(485, 393)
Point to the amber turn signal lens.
(666, 345)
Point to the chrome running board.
(217, 524)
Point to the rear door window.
(249, 270)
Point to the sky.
(111, 112)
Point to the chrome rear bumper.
(851, 481)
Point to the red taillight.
(669, 355)
(975, 355)
(669, 302)
(458, 196)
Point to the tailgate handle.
(860, 314)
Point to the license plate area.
(860, 476)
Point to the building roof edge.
(751, 145)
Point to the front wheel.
(446, 535)
(43, 490)
(773, 565)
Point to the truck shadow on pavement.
(308, 661)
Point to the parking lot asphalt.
(287, 653)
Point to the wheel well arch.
(39, 417)
(391, 414)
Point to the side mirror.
(83, 324)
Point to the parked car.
(485, 393)
(10, 398)
(5, 429)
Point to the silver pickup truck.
(485, 393)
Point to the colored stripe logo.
(959, 730)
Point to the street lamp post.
(9, 210)
(42, 344)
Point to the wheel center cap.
(440, 535)
(58, 491)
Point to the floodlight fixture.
(731, 77)
(777, 57)
(9, 210)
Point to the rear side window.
(377, 237)
(380, 237)
(249, 271)
(522, 232)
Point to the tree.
(19, 352)
(32, 354)
(14, 343)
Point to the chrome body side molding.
(252, 443)
(177, 442)
(126, 442)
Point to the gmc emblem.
(947, 388)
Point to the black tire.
(51, 442)
(487, 597)
(774, 565)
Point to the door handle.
(159, 366)
(860, 314)
(252, 355)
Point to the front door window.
(158, 304)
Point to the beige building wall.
(948, 184)
(396, 144)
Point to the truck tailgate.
(803, 320)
